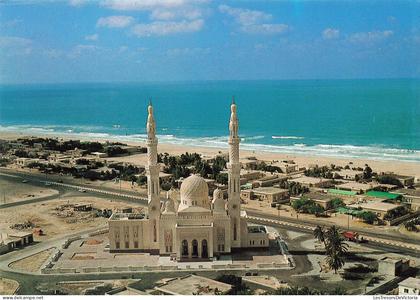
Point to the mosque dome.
(218, 202)
(194, 192)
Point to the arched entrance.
(184, 248)
(205, 252)
(194, 248)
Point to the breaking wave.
(376, 152)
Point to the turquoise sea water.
(377, 119)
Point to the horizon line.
(203, 80)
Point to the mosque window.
(127, 245)
(136, 244)
(117, 245)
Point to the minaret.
(234, 169)
(152, 172)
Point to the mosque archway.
(205, 251)
(184, 248)
(194, 248)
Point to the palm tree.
(336, 248)
(319, 234)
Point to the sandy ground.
(34, 262)
(404, 168)
(44, 215)
(14, 192)
(8, 286)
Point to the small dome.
(169, 206)
(194, 192)
(218, 202)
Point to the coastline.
(411, 168)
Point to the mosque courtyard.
(92, 255)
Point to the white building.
(195, 228)
(409, 286)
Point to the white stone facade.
(195, 228)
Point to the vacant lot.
(56, 221)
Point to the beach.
(397, 167)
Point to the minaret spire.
(152, 172)
(234, 169)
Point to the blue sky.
(170, 40)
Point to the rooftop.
(309, 180)
(341, 192)
(411, 282)
(318, 196)
(19, 234)
(269, 190)
(409, 192)
(382, 195)
(377, 206)
(357, 186)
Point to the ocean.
(375, 119)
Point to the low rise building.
(287, 167)
(266, 181)
(99, 154)
(409, 286)
(393, 266)
(357, 187)
(25, 161)
(323, 200)
(379, 208)
(11, 241)
(411, 196)
(349, 174)
(250, 175)
(312, 181)
(269, 194)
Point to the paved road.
(390, 239)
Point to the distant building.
(379, 208)
(409, 286)
(265, 181)
(11, 241)
(312, 181)
(393, 266)
(323, 200)
(99, 154)
(411, 196)
(349, 174)
(357, 187)
(287, 167)
(269, 194)
(24, 161)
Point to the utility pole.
(348, 222)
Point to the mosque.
(194, 227)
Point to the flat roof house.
(312, 181)
(379, 208)
(357, 187)
(270, 194)
(409, 286)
